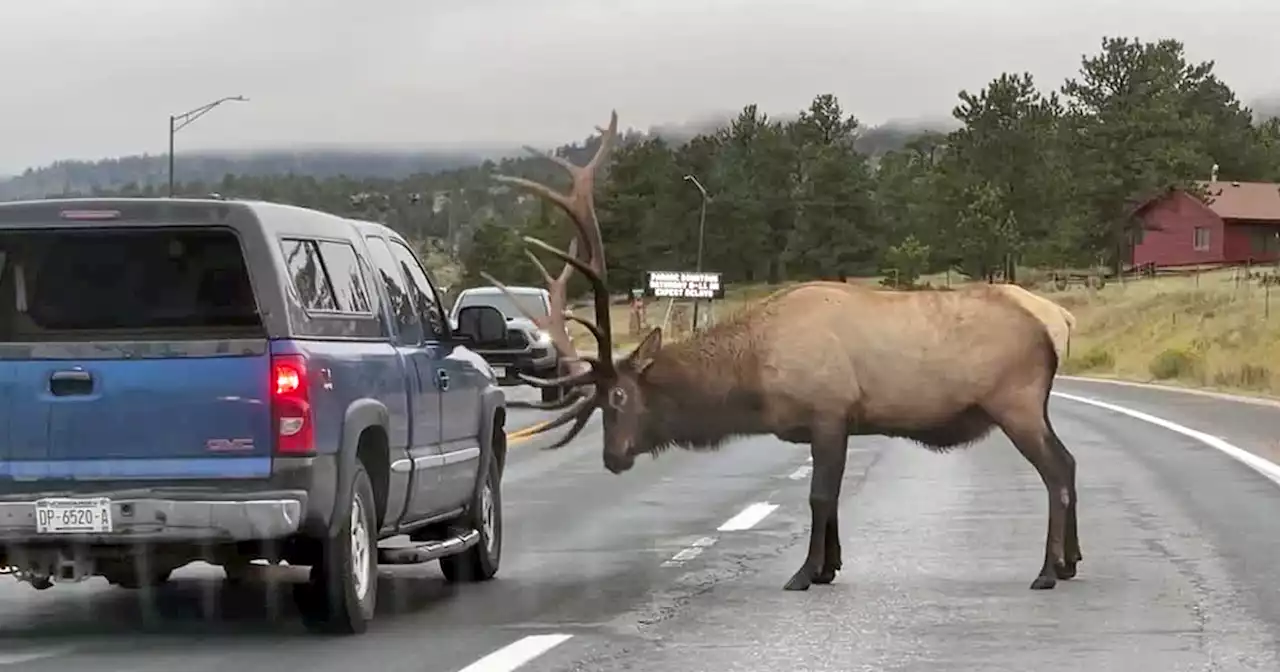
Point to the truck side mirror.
(482, 327)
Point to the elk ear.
(643, 355)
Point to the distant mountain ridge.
(210, 167)
(85, 177)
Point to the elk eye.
(618, 398)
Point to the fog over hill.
(1266, 107)
(322, 162)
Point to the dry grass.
(1211, 332)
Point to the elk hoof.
(827, 575)
(1044, 583)
(800, 580)
(1065, 571)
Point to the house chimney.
(1213, 175)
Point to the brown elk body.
(820, 362)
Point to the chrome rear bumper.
(147, 519)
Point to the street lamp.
(702, 225)
(177, 122)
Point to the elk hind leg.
(829, 449)
(1032, 438)
(1071, 546)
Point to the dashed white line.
(802, 472)
(690, 552)
(517, 653)
(28, 656)
(748, 518)
(1261, 465)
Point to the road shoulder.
(1252, 425)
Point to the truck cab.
(227, 381)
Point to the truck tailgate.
(186, 417)
(131, 354)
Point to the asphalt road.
(633, 572)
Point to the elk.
(818, 363)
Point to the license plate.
(500, 371)
(73, 516)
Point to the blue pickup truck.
(223, 381)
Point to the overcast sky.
(95, 78)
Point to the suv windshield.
(531, 302)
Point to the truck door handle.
(442, 379)
(71, 382)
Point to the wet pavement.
(634, 572)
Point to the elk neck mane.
(705, 390)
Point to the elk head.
(615, 386)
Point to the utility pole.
(702, 225)
(177, 122)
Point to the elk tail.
(1071, 326)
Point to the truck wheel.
(480, 562)
(550, 394)
(238, 571)
(341, 595)
(131, 578)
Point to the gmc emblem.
(229, 445)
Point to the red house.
(1241, 223)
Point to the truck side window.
(426, 296)
(344, 274)
(307, 273)
(408, 326)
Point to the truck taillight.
(291, 406)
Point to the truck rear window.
(110, 283)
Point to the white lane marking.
(1212, 394)
(748, 517)
(28, 656)
(801, 472)
(690, 552)
(1261, 465)
(516, 653)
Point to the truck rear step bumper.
(150, 519)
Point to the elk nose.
(617, 464)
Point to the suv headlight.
(542, 338)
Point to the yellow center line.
(524, 433)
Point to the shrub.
(1093, 360)
(1174, 363)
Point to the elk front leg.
(831, 559)
(829, 450)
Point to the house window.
(1201, 242)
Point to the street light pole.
(702, 225)
(177, 122)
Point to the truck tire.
(550, 394)
(133, 579)
(480, 562)
(238, 571)
(342, 592)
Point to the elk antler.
(580, 206)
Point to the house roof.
(1244, 200)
